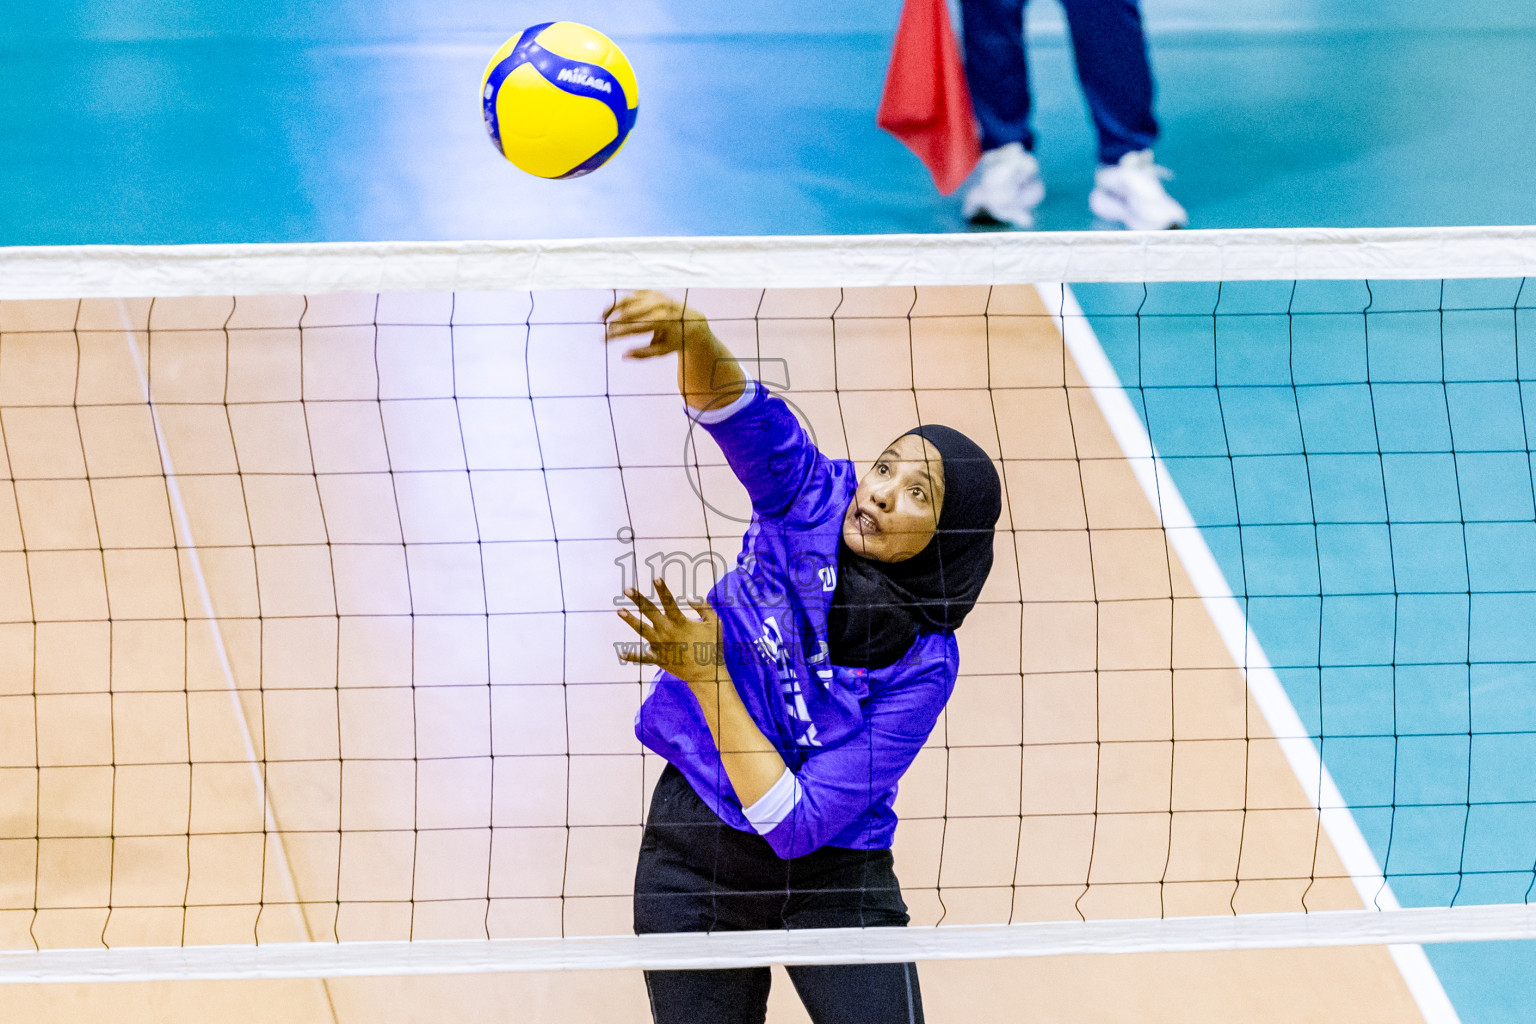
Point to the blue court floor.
(146, 123)
(1359, 460)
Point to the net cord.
(807, 261)
(1395, 928)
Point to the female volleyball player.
(790, 708)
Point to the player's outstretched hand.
(688, 648)
(669, 323)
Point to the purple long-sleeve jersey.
(847, 735)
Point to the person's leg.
(859, 993)
(992, 32)
(837, 888)
(1112, 64)
(696, 874)
(737, 996)
(1007, 185)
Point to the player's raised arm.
(767, 448)
(708, 376)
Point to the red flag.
(926, 103)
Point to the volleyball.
(559, 99)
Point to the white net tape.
(769, 262)
(1326, 928)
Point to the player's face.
(896, 508)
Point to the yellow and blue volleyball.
(559, 99)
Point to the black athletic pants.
(697, 874)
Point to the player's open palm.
(688, 648)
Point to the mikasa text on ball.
(559, 99)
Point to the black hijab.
(879, 607)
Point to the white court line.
(1265, 686)
(205, 598)
(184, 524)
(748, 949)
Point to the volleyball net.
(310, 556)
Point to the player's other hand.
(688, 648)
(669, 323)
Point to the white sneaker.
(1008, 189)
(1131, 193)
